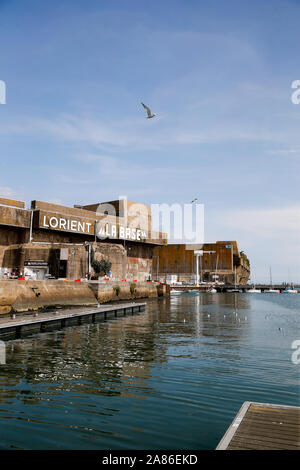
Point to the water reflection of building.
(116, 357)
(220, 313)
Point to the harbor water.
(172, 377)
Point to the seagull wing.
(147, 109)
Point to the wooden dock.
(263, 426)
(23, 325)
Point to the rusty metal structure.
(219, 262)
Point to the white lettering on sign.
(125, 233)
(121, 232)
(59, 223)
(73, 225)
(62, 224)
(53, 222)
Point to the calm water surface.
(170, 378)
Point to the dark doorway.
(62, 268)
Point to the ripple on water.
(172, 378)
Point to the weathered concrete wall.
(14, 216)
(179, 259)
(20, 296)
(221, 257)
(115, 253)
(131, 263)
(10, 236)
(12, 202)
(126, 290)
(139, 262)
(59, 209)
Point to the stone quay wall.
(25, 296)
(126, 290)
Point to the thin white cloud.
(105, 174)
(5, 191)
(269, 236)
(137, 134)
(284, 152)
(116, 170)
(266, 223)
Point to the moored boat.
(212, 291)
(290, 291)
(272, 291)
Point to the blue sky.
(218, 74)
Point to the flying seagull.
(150, 115)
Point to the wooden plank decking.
(263, 426)
(25, 324)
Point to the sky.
(217, 74)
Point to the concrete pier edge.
(27, 296)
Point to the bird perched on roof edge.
(150, 115)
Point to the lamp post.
(198, 253)
(88, 249)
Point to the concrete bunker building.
(220, 262)
(51, 240)
(58, 241)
